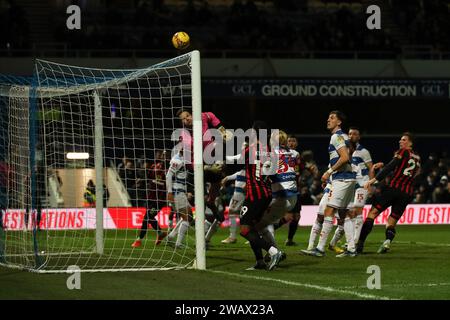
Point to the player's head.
(161, 155)
(354, 135)
(279, 137)
(185, 116)
(335, 120)
(292, 142)
(406, 141)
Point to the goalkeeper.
(213, 173)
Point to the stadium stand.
(290, 26)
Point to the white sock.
(272, 251)
(358, 222)
(337, 235)
(267, 235)
(174, 231)
(271, 229)
(233, 226)
(212, 230)
(349, 234)
(315, 231)
(207, 226)
(181, 234)
(326, 229)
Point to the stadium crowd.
(14, 26)
(290, 26)
(425, 22)
(433, 185)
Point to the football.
(181, 40)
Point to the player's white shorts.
(324, 202)
(236, 202)
(277, 209)
(342, 192)
(181, 201)
(359, 199)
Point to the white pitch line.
(424, 243)
(50, 254)
(404, 285)
(306, 285)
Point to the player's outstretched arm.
(229, 178)
(383, 173)
(373, 168)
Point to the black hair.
(409, 135)
(340, 115)
(181, 110)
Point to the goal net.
(86, 159)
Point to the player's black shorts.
(252, 211)
(298, 206)
(395, 198)
(213, 177)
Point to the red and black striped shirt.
(406, 170)
(258, 184)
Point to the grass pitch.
(417, 267)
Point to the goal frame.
(196, 96)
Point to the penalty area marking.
(306, 285)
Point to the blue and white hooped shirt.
(339, 140)
(360, 158)
(284, 182)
